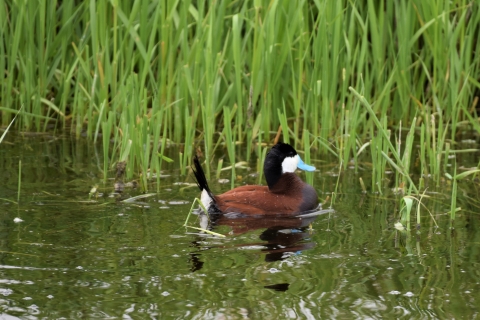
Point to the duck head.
(281, 159)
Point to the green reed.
(19, 185)
(406, 211)
(229, 141)
(260, 162)
(455, 178)
(306, 157)
(381, 145)
(107, 127)
(453, 205)
(222, 74)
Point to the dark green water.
(71, 258)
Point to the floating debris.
(178, 202)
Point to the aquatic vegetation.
(232, 75)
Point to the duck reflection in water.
(283, 235)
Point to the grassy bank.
(342, 76)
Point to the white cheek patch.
(290, 164)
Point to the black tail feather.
(200, 177)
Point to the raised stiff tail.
(202, 183)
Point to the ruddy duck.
(286, 193)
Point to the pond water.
(65, 256)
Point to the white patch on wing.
(290, 164)
(206, 199)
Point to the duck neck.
(273, 173)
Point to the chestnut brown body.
(289, 196)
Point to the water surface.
(71, 257)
